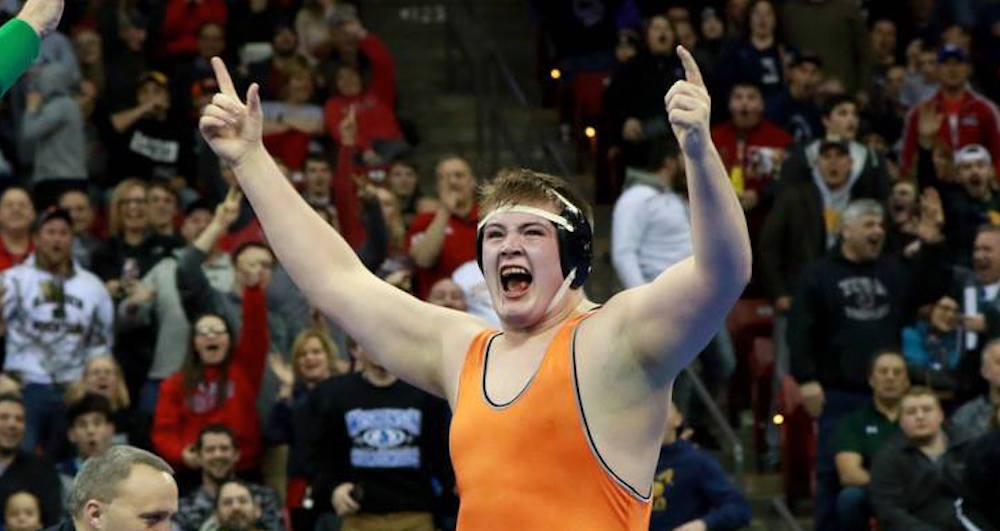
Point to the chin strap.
(563, 291)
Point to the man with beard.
(217, 454)
(272, 71)
(918, 476)
(849, 305)
(20, 470)
(58, 315)
(235, 510)
(971, 204)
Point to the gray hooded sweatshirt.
(56, 128)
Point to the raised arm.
(667, 322)
(402, 333)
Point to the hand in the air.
(232, 129)
(42, 15)
(688, 107)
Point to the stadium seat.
(761, 367)
(798, 444)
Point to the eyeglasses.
(210, 332)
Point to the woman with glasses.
(218, 383)
(121, 261)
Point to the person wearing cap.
(869, 175)
(965, 116)
(57, 315)
(848, 305)
(974, 202)
(20, 38)
(150, 142)
(804, 222)
(158, 303)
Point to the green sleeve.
(19, 46)
(845, 438)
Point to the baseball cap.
(154, 76)
(49, 214)
(806, 57)
(834, 142)
(951, 51)
(972, 153)
(199, 204)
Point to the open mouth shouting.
(514, 280)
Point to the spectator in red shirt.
(292, 122)
(752, 149)
(183, 20)
(17, 212)
(969, 117)
(441, 241)
(218, 382)
(378, 135)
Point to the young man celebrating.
(558, 418)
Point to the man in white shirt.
(58, 315)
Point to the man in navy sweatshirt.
(690, 491)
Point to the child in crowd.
(22, 512)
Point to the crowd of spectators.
(141, 303)
(862, 140)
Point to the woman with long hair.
(315, 359)
(218, 383)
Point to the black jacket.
(843, 312)
(794, 235)
(912, 493)
(38, 476)
(65, 525)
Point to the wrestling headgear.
(573, 232)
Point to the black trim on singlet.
(486, 396)
(586, 428)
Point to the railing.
(719, 419)
(785, 514)
(475, 63)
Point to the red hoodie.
(375, 105)
(184, 18)
(180, 418)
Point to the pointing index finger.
(222, 78)
(691, 70)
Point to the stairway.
(442, 106)
(440, 102)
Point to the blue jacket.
(690, 485)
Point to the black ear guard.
(575, 242)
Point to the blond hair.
(298, 350)
(120, 398)
(117, 197)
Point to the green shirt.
(19, 45)
(863, 432)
